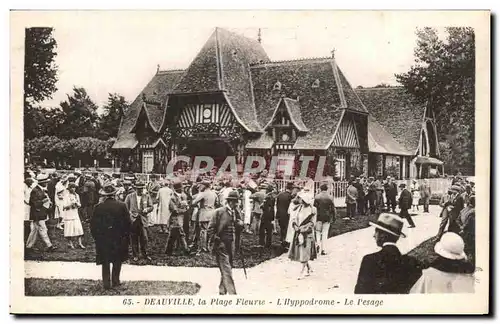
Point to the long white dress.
(164, 196)
(247, 204)
(72, 224)
(59, 200)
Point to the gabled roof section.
(319, 106)
(236, 52)
(397, 111)
(153, 98)
(293, 108)
(126, 141)
(264, 141)
(380, 141)
(352, 100)
(223, 65)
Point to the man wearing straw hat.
(39, 212)
(387, 271)
(110, 226)
(222, 230)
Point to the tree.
(443, 77)
(42, 122)
(112, 116)
(40, 70)
(81, 115)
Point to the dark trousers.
(176, 233)
(224, 256)
(361, 206)
(405, 215)
(89, 211)
(372, 199)
(283, 222)
(426, 201)
(139, 237)
(391, 203)
(351, 210)
(195, 233)
(115, 274)
(265, 233)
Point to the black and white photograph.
(250, 162)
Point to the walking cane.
(240, 252)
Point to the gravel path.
(334, 273)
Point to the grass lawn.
(253, 255)
(424, 252)
(80, 287)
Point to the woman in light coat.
(450, 272)
(303, 246)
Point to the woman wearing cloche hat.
(450, 272)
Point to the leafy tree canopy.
(443, 76)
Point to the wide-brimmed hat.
(402, 185)
(177, 184)
(451, 246)
(389, 223)
(107, 190)
(233, 195)
(306, 197)
(42, 178)
(77, 172)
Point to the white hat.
(42, 177)
(306, 196)
(450, 246)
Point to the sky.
(118, 52)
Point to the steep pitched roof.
(397, 112)
(156, 95)
(293, 108)
(380, 141)
(319, 105)
(222, 65)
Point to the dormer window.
(277, 86)
(315, 84)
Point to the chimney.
(333, 52)
(259, 38)
(157, 68)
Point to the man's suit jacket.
(325, 207)
(387, 272)
(405, 199)
(177, 208)
(137, 211)
(283, 201)
(38, 197)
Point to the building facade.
(233, 100)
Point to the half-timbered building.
(233, 100)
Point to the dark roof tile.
(397, 112)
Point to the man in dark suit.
(139, 205)
(266, 224)
(405, 201)
(110, 226)
(391, 191)
(282, 203)
(387, 271)
(40, 205)
(178, 206)
(221, 233)
(325, 215)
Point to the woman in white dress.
(72, 224)
(415, 194)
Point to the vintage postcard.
(250, 162)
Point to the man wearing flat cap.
(387, 271)
(110, 227)
(222, 232)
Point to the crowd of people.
(203, 216)
(389, 272)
